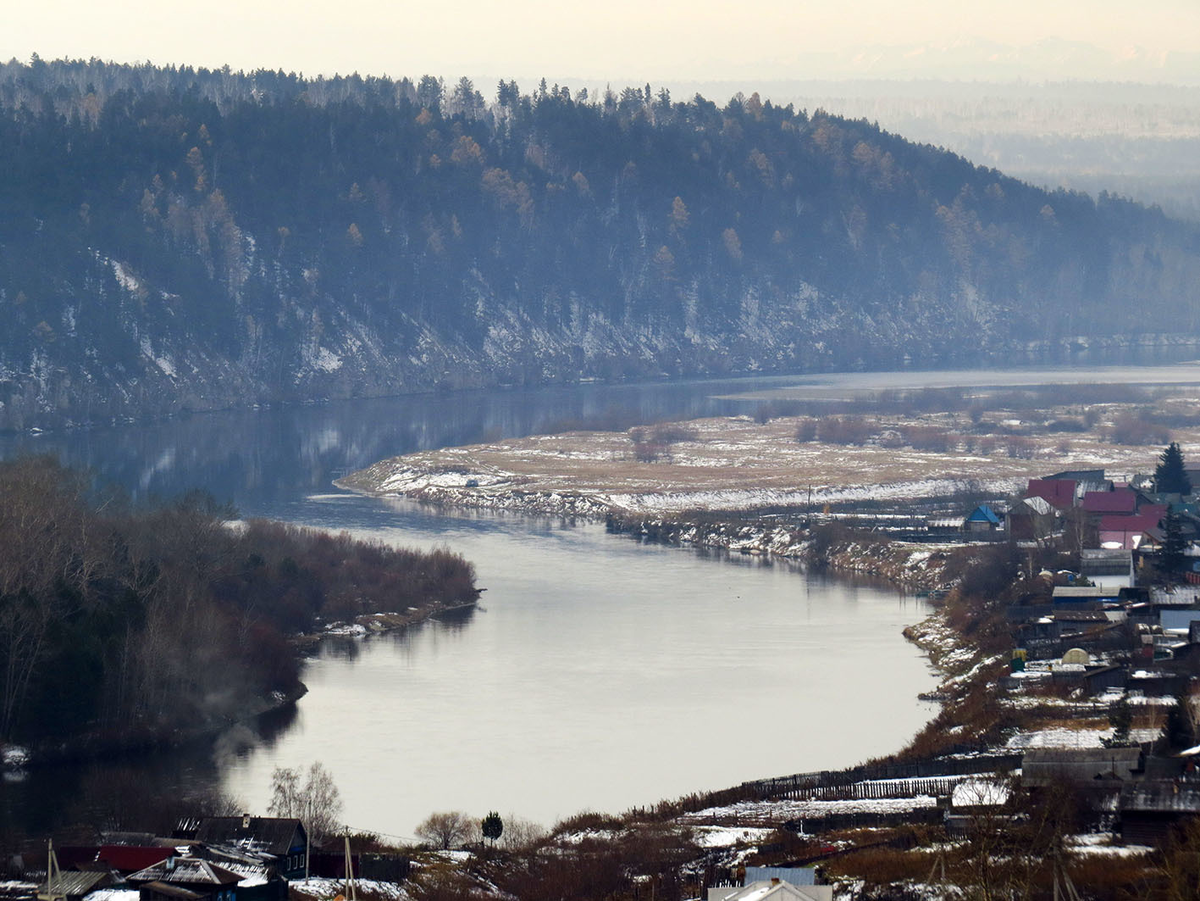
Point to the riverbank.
(132, 742)
(805, 450)
(826, 546)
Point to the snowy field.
(736, 463)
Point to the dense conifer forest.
(176, 239)
(123, 624)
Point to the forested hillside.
(176, 239)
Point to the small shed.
(72, 885)
(983, 519)
(1099, 679)
(1157, 683)
(790, 875)
(1084, 594)
(1105, 562)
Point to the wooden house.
(1050, 766)
(1032, 519)
(1149, 812)
(185, 879)
(278, 841)
(1058, 493)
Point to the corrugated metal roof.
(74, 882)
(792, 875)
(275, 835)
(1161, 797)
(186, 871)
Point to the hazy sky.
(619, 40)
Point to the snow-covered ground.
(779, 811)
(1061, 737)
(729, 463)
(330, 888)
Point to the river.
(600, 673)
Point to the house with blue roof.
(983, 519)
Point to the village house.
(1044, 767)
(185, 879)
(1032, 519)
(277, 842)
(1149, 812)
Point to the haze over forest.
(208, 238)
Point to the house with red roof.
(1127, 532)
(1119, 501)
(1058, 493)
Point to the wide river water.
(599, 674)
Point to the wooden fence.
(937, 787)
(800, 786)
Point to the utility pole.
(351, 892)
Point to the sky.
(625, 41)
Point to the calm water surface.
(599, 674)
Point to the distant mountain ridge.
(176, 239)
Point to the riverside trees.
(125, 624)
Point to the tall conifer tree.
(1169, 476)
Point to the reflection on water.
(600, 672)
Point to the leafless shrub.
(774, 409)
(806, 430)
(672, 433)
(1066, 424)
(929, 438)
(1020, 448)
(843, 430)
(445, 830)
(1136, 427)
(520, 834)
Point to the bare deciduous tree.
(316, 802)
(446, 829)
